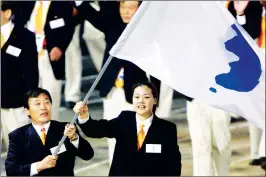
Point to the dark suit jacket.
(253, 13)
(18, 74)
(127, 160)
(25, 148)
(78, 18)
(58, 37)
(111, 24)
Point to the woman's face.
(127, 9)
(143, 101)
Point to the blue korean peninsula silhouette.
(245, 73)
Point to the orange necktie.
(39, 19)
(2, 40)
(227, 3)
(141, 136)
(43, 136)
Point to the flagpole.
(134, 21)
(86, 99)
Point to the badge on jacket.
(153, 148)
(57, 23)
(62, 149)
(13, 50)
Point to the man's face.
(127, 9)
(5, 16)
(39, 109)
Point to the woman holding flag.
(145, 144)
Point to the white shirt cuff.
(76, 142)
(78, 3)
(33, 169)
(82, 121)
(241, 19)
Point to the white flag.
(199, 50)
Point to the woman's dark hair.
(153, 91)
(34, 93)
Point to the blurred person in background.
(249, 15)
(94, 40)
(52, 23)
(19, 69)
(261, 43)
(120, 76)
(211, 139)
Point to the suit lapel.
(11, 38)
(52, 136)
(134, 133)
(28, 8)
(131, 136)
(33, 137)
(50, 12)
(37, 149)
(151, 135)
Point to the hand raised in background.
(240, 6)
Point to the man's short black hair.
(5, 5)
(34, 93)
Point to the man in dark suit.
(111, 22)
(145, 144)
(52, 23)
(120, 76)
(95, 43)
(31, 146)
(19, 69)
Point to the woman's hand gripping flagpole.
(86, 99)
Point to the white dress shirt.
(147, 123)
(78, 3)
(33, 167)
(93, 4)
(6, 30)
(31, 23)
(39, 128)
(241, 19)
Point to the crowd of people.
(40, 48)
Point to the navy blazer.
(18, 74)
(57, 37)
(25, 148)
(127, 159)
(110, 23)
